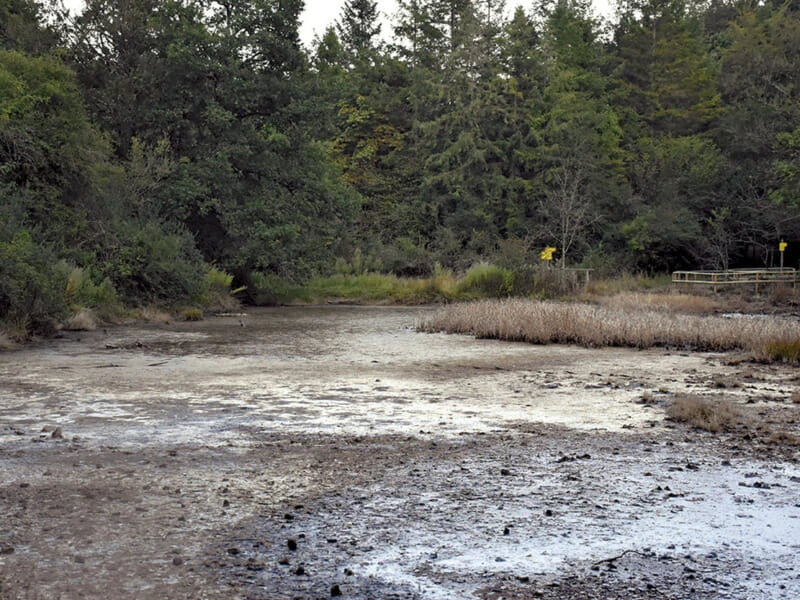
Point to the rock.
(300, 570)
(284, 561)
(291, 543)
(548, 513)
(177, 561)
(225, 503)
(505, 472)
(335, 590)
(4, 550)
(57, 435)
(506, 531)
(289, 517)
(348, 573)
(233, 551)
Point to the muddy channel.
(318, 452)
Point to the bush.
(485, 281)
(153, 264)
(82, 291)
(217, 294)
(31, 287)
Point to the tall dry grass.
(662, 302)
(599, 326)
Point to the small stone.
(4, 550)
(233, 551)
(300, 570)
(289, 517)
(505, 472)
(548, 513)
(506, 531)
(177, 561)
(284, 561)
(348, 573)
(226, 503)
(291, 543)
(335, 590)
(57, 435)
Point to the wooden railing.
(735, 277)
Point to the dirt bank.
(315, 451)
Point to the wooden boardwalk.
(737, 277)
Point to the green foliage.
(31, 285)
(153, 264)
(485, 281)
(82, 291)
(179, 135)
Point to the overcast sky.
(321, 13)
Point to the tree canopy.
(145, 142)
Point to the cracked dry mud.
(325, 451)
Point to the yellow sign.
(547, 253)
(782, 246)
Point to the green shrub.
(81, 290)
(31, 285)
(485, 281)
(154, 264)
(217, 294)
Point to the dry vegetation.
(709, 414)
(83, 320)
(664, 302)
(617, 325)
(5, 342)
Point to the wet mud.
(334, 451)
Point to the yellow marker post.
(782, 247)
(547, 253)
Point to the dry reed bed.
(664, 302)
(599, 326)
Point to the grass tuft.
(83, 320)
(153, 314)
(192, 314)
(6, 343)
(784, 350)
(708, 414)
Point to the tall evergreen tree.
(359, 26)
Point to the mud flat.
(317, 452)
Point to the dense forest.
(151, 148)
